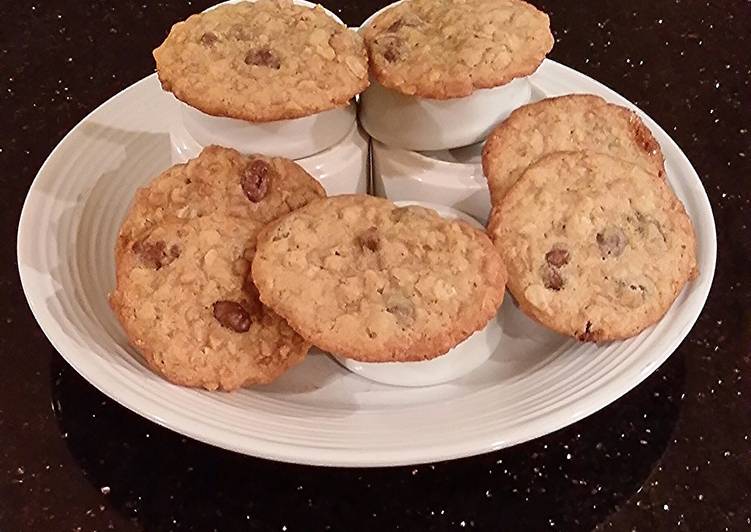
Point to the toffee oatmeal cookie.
(183, 256)
(364, 279)
(448, 48)
(596, 247)
(567, 123)
(262, 61)
(183, 301)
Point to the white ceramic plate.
(318, 413)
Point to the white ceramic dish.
(342, 169)
(421, 124)
(458, 362)
(449, 177)
(294, 139)
(319, 412)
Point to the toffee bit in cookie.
(263, 57)
(404, 213)
(369, 239)
(391, 46)
(232, 315)
(551, 278)
(401, 307)
(240, 32)
(557, 257)
(612, 241)
(154, 254)
(391, 54)
(398, 23)
(255, 180)
(409, 19)
(209, 38)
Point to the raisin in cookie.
(566, 123)
(364, 279)
(262, 61)
(446, 48)
(183, 259)
(596, 248)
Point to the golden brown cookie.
(183, 293)
(262, 61)
(447, 48)
(182, 299)
(596, 248)
(567, 123)
(364, 279)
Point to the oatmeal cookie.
(596, 247)
(364, 279)
(262, 61)
(448, 48)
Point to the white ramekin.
(294, 139)
(420, 124)
(342, 169)
(459, 361)
(450, 177)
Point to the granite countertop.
(673, 454)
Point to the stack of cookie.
(269, 77)
(596, 243)
(183, 259)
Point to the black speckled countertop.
(673, 454)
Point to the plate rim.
(553, 420)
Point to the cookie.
(262, 61)
(596, 247)
(364, 279)
(567, 123)
(183, 256)
(446, 48)
(183, 301)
